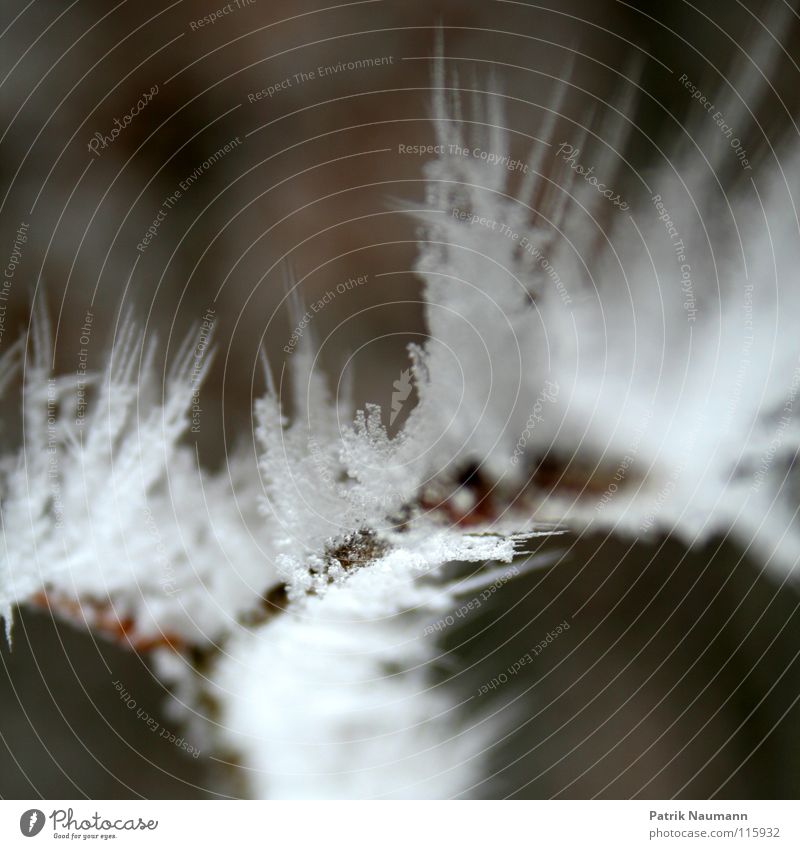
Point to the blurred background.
(246, 165)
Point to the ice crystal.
(637, 376)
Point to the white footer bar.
(402, 825)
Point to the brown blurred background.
(679, 676)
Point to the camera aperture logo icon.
(31, 822)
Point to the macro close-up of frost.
(607, 350)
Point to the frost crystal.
(637, 377)
(107, 518)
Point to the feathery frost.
(592, 362)
(107, 517)
(633, 369)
